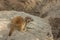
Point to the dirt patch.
(34, 7)
(55, 23)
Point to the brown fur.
(19, 23)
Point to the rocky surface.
(55, 23)
(39, 28)
(46, 9)
(39, 8)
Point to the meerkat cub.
(19, 23)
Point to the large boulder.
(39, 29)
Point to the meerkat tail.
(11, 31)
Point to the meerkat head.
(28, 19)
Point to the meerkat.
(19, 23)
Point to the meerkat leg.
(11, 31)
(22, 28)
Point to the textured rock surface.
(39, 7)
(39, 28)
(42, 8)
(55, 23)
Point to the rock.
(39, 28)
(55, 23)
